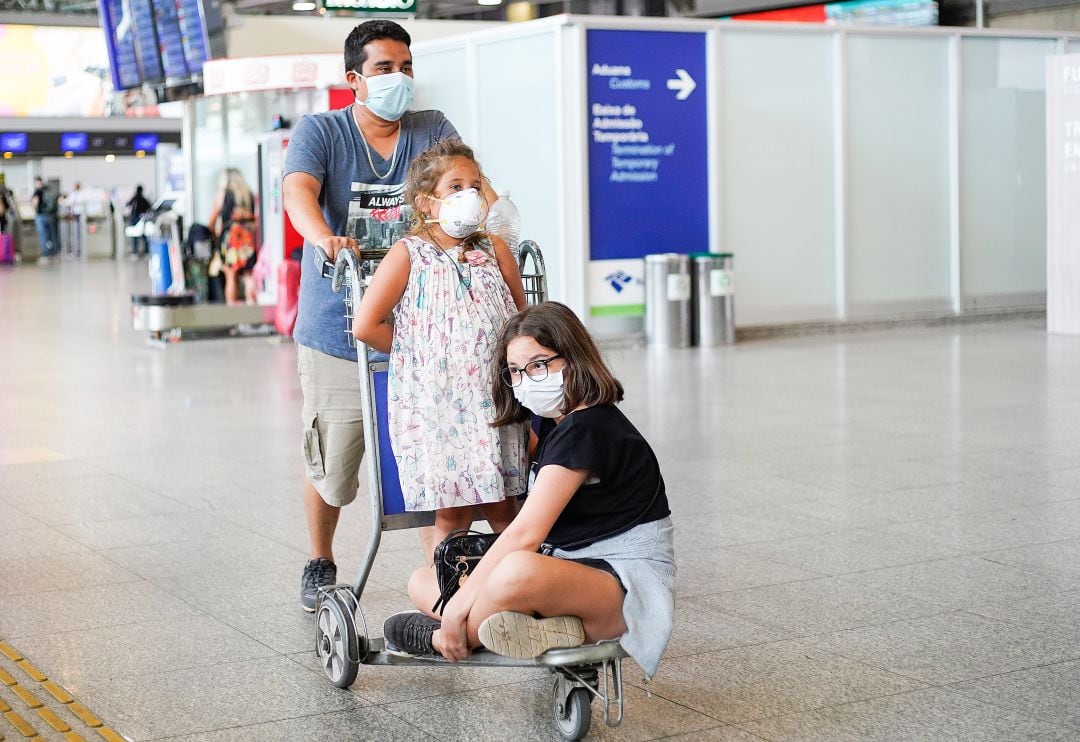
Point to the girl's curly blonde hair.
(421, 180)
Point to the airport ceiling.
(84, 12)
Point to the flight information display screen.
(161, 42)
(170, 40)
(141, 13)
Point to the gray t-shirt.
(355, 203)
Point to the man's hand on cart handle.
(326, 250)
(332, 244)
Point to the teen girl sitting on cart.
(597, 504)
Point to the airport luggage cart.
(342, 639)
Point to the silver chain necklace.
(367, 150)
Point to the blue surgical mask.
(389, 96)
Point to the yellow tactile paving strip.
(34, 707)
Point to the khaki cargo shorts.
(333, 437)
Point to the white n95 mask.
(544, 397)
(461, 213)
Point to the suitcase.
(7, 248)
(288, 297)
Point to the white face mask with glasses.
(541, 391)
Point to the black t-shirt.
(39, 194)
(624, 475)
(137, 206)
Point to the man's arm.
(301, 192)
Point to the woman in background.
(232, 220)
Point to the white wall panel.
(1003, 170)
(898, 170)
(777, 172)
(517, 125)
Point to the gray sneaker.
(317, 573)
(408, 633)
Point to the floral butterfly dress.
(446, 327)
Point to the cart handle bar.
(336, 270)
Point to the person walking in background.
(45, 207)
(234, 209)
(134, 210)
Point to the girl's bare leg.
(530, 583)
(499, 514)
(423, 585)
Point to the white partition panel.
(502, 93)
(1003, 171)
(898, 168)
(777, 162)
(854, 172)
(444, 83)
(518, 103)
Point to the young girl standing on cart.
(450, 288)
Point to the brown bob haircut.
(586, 378)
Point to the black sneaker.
(409, 633)
(317, 573)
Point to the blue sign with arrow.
(648, 145)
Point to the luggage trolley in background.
(342, 639)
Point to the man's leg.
(322, 520)
(333, 447)
(43, 235)
(54, 230)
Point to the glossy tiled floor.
(878, 536)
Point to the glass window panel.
(898, 173)
(1003, 167)
(778, 173)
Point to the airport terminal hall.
(540, 370)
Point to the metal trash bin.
(713, 299)
(667, 300)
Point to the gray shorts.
(333, 433)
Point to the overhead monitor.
(14, 141)
(145, 142)
(71, 141)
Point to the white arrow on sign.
(684, 84)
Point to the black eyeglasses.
(536, 370)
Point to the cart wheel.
(573, 718)
(336, 643)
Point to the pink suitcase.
(7, 248)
